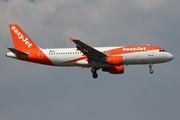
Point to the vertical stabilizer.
(20, 39)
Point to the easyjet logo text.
(21, 37)
(135, 49)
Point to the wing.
(91, 53)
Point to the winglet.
(71, 39)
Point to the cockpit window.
(162, 50)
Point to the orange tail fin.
(20, 38)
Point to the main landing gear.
(94, 71)
(150, 67)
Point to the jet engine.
(114, 70)
(114, 60)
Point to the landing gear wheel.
(94, 75)
(93, 70)
(150, 67)
(151, 71)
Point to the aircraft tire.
(94, 75)
(151, 71)
(93, 70)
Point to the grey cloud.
(31, 91)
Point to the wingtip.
(71, 39)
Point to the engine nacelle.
(114, 60)
(114, 70)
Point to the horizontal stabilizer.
(17, 52)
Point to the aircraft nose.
(170, 56)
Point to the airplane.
(108, 59)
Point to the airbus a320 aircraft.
(109, 59)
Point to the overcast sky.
(36, 92)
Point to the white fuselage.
(60, 57)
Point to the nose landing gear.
(150, 67)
